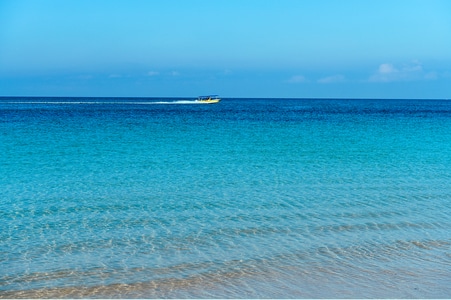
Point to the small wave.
(104, 102)
(178, 102)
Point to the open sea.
(248, 198)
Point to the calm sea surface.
(248, 198)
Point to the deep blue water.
(248, 198)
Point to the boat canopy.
(208, 97)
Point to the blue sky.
(235, 48)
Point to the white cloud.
(431, 76)
(153, 73)
(332, 79)
(408, 72)
(387, 69)
(297, 79)
(174, 73)
(85, 77)
(227, 72)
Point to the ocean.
(248, 198)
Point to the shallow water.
(248, 198)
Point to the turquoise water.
(248, 198)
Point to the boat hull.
(209, 101)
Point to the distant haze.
(245, 48)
